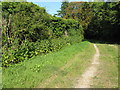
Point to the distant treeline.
(100, 20)
(28, 30)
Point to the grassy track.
(67, 78)
(62, 69)
(107, 74)
(35, 71)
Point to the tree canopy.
(100, 20)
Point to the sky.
(52, 0)
(51, 6)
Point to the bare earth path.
(86, 80)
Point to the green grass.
(107, 74)
(33, 72)
(68, 77)
(68, 64)
(0, 69)
(0, 77)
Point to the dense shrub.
(28, 50)
(59, 26)
(29, 31)
(105, 24)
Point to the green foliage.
(64, 5)
(105, 22)
(29, 31)
(100, 20)
(28, 50)
(71, 26)
(80, 11)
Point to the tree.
(105, 22)
(80, 11)
(100, 20)
(64, 5)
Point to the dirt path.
(86, 80)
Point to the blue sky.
(51, 5)
(52, 0)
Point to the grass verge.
(107, 74)
(33, 72)
(68, 77)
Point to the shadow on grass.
(101, 41)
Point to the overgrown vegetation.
(37, 70)
(28, 30)
(31, 38)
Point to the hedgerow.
(28, 30)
